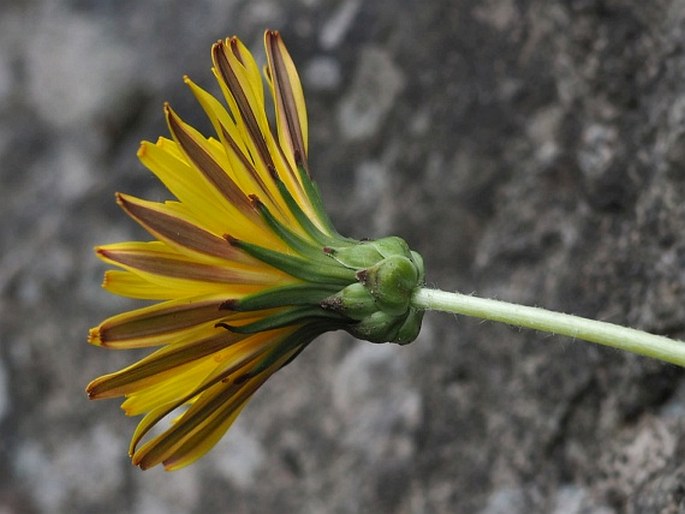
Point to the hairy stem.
(608, 334)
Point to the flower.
(245, 266)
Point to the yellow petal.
(246, 105)
(168, 362)
(125, 283)
(155, 258)
(185, 182)
(210, 411)
(202, 441)
(291, 112)
(181, 233)
(161, 323)
(212, 165)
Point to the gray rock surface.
(531, 150)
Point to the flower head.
(245, 266)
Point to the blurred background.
(531, 150)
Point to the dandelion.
(246, 269)
(245, 265)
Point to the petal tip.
(142, 150)
(91, 389)
(106, 280)
(120, 198)
(94, 336)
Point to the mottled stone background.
(532, 150)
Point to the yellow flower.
(246, 267)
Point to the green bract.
(363, 287)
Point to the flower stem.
(608, 334)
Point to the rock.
(530, 150)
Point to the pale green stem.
(608, 334)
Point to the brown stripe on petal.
(203, 440)
(156, 321)
(208, 411)
(163, 446)
(158, 363)
(159, 263)
(285, 98)
(235, 49)
(206, 164)
(249, 167)
(219, 380)
(228, 75)
(179, 231)
(244, 160)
